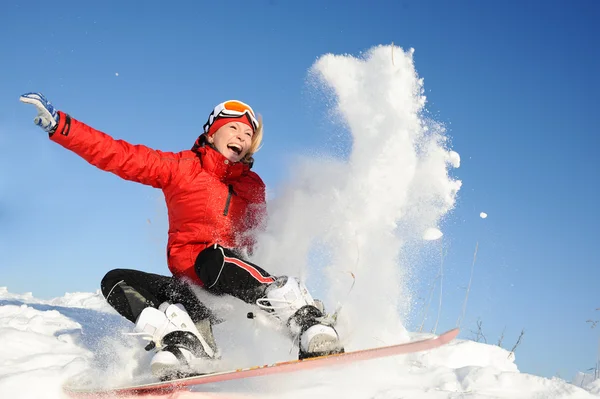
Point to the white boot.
(181, 347)
(289, 300)
(319, 340)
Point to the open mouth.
(235, 148)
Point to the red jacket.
(209, 199)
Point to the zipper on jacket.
(231, 192)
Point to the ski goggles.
(231, 109)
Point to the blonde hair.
(255, 143)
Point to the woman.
(214, 202)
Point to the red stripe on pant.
(250, 269)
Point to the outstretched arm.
(131, 162)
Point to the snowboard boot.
(316, 337)
(289, 300)
(182, 350)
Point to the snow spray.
(361, 211)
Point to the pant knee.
(110, 280)
(208, 265)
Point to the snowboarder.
(214, 203)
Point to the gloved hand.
(47, 117)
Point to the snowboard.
(168, 387)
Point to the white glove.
(47, 117)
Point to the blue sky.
(514, 82)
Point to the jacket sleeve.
(131, 162)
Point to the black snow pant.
(220, 269)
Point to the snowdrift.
(46, 342)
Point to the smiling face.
(233, 140)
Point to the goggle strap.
(238, 113)
(212, 119)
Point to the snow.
(46, 342)
(432, 234)
(454, 159)
(588, 382)
(364, 207)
